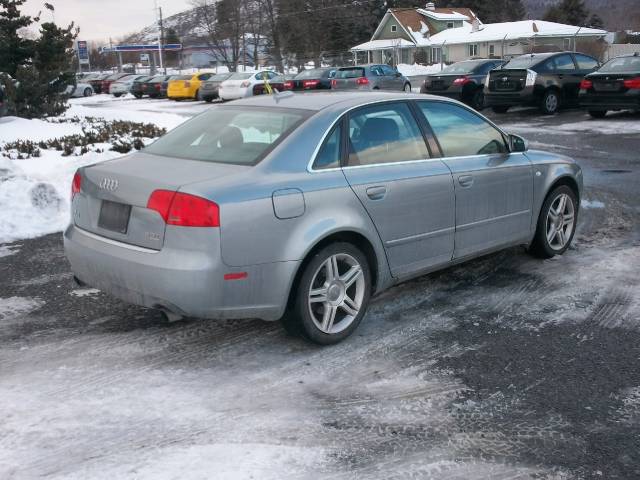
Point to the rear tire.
(556, 224)
(550, 103)
(332, 295)
(87, 92)
(500, 109)
(477, 101)
(598, 113)
(137, 95)
(407, 88)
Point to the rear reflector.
(235, 276)
(586, 84)
(76, 184)
(184, 210)
(632, 83)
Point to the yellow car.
(186, 86)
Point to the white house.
(455, 34)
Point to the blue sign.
(83, 51)
(141, 48)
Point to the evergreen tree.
(171, 37)
(571, 12)
(595, 22)
(15, 51)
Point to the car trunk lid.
(114, 195)
(610, 82)
(507, 80)
(349, 79)
(440, 83)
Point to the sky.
(101, 19)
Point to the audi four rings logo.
(109, 184)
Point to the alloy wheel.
(551, 102)
(337, 293)
(560, 221)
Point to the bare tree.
(272, 31)
(223, 25)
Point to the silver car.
(301, 207)
(370, 77)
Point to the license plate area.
(114, 216)
(606, 87)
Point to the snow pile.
(34, 192)
(416, 69)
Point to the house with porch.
(448, 35)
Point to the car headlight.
(531, 78)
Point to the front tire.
(407, 88)
(87, 92)
(550, 102)
(332, 295)
(556, 223)
(598, 113)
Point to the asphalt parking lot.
(507, 367)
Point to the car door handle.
(465, 180)
(376, 193)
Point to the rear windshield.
(525, 61)
(232, 135)
(350, 72)
(219, 77)
(622, 64)
(240, 76)
(461, 67)
(314, 73)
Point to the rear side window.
(385, 133)
(585, 62)
(233, 135)
(329, 154)
(564, 62)
(460, 132)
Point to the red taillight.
(310, 83)
(586, 84)
(334, 83)
(288, 85)
(461, 81)
(362, 81)
(632, 83)
(76, 184)
(184, 210)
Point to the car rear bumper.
(624, 101)
(186, 281)
(503, 99)
(234, 93)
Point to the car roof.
(320, 101)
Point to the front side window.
(385, 133)
(461, 132)
(329, 154)
(564, 63)
(232, 135)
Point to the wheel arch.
(567, 180)
(349, 236)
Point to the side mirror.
(398, 74)
(518, 144)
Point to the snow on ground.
(415, 69)
(34, 192)
(608, 126)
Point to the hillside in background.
(617, 14)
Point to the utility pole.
(160, 35)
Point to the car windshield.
(240, 76)
(524, 61)
(622, 64)
(460, 67)
(232, 135)
(350, 72)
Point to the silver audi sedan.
(301, 207)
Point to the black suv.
(546, 80)
(462, 81)
(616, 86)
